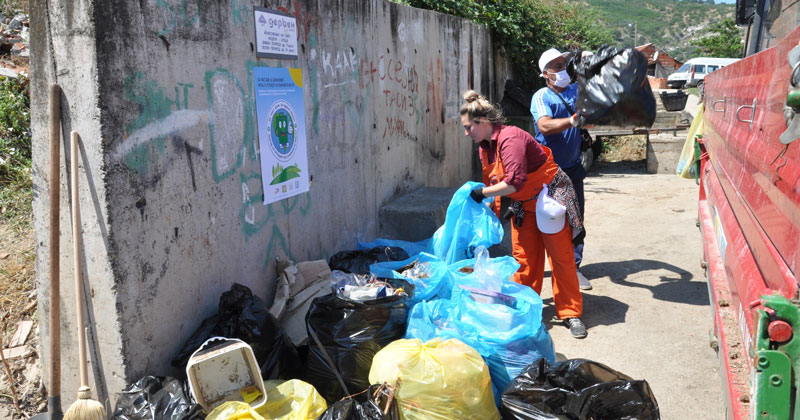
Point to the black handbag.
(586, 138)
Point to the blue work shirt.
(566, 145)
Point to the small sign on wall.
(276, 34)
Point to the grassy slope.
(669, 24)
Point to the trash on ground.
(223, 370)
(345, 334)
(244, 316)
(362, 287)
(375, 403)
(441, 379)
(291, 400)
(358, 261)
(613, 88)
(296, 287)
(428, 273)
(505, 328)
(577, 389)
(156, 398)
(467, 226)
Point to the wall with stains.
(161, 92)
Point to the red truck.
(749, 213)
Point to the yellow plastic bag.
(234, 410)
(292, 400)
(686, 160)
(441, 379)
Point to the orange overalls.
(529, 244)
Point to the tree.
(724, 39)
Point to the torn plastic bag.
(244, 316)
(505, 328)
(411, 248)
(429, 275)
(467, 226)
(344, 335)
(156, 398)
(291, 400)
(358, 261)
(613, 88)
(441, 379)
(577, 389)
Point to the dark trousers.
(576, 174)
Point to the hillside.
(669, 24)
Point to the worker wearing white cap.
(557, 127)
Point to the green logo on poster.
(282, 130)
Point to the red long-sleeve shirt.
(519, 151)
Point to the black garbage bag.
(368, 405)
(244, 316)
(156, 398)
(344, 336)
(358, 262)
(576, 389)
(613, 88)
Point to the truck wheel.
(700, 88)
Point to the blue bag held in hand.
(467, 226)
(505, 328)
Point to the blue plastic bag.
(508, 336)
(431, 277)
(467, 226)
(411, 248)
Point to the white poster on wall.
(276, 34)
(281, 132)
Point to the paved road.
(648, 314)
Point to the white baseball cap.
(549, 213)
(549, 56)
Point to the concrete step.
(415, 216)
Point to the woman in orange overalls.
(515, 165)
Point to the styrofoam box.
(224, 371)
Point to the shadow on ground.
(677, 287)
(597, 310)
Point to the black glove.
(477, 194)
(573, 59)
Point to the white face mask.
(562, 79)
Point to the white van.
(695, 70)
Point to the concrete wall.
(161, 93)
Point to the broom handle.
(76, 259)
(55, 196)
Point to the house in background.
(659, 65)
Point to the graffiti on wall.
(214, 114)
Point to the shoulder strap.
(569, 108)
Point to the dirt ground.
(648, 314)
(18, 303)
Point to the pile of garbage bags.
(402, 330)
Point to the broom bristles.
(85, 408)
